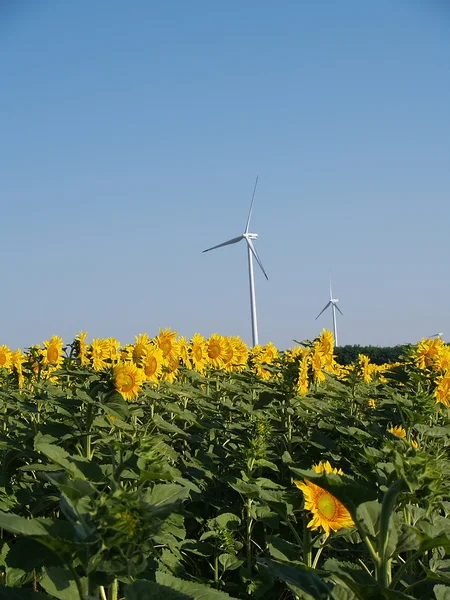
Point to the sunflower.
(327, 511)
(18, 359)
(128, 379)
(82, 346)
(398, 431)
(364, 369)
(240, 353)
(442, 391)
(112, 349)
(197, 353)
(152, 363)
(325, 467)
(426, 352)
(99, 351)
(442, 360)
(140, 347)
(216, 349)
(302, 382)
(166, 341)
(5, 358)
(52, 352)
(171, 370)
(371, 403)
(325, 345)
(183, 349)
(317, 362)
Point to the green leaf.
(58, 582)
(193, 591)
(144, 590)
(298, 577)
(442, 592)
(36, 527)
(229, 562)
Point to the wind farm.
(333, 303)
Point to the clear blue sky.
(131, 136)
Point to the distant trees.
(379, 355)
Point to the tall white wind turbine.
(251, 250)
(333, 303)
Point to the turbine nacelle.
(250, 236)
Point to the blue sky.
(132, 134)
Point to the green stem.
(317, 556)
(249, 535)
(384, 572)
(404, 567)
(113, 590)
(216, 568)
(307, 550)
(102, 593)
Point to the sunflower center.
(52, 355)
(126, 382)
(214, 351)
(2, 359)
(166, 347)
(138, 351)
(150, 366)
(198, 353)
(327, 505)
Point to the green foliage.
(188, 492)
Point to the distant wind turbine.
(248, 237)
(436, 335)
(333, 303)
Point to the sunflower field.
(204, 469)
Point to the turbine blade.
(338, 308)
(251, 205)
(323, 309)
(331, 293)
(233, 241)
(255, 254)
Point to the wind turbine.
(249, 237)
(333, 303)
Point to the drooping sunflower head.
(427, 351)
(52, 352)
(128, 379)
(325, 343)
(317, 362)
(17, 361)
(112, 349)
(364, 368)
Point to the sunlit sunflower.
(99, 351)
(112, 349)
(302, 381)
(426, 351)
(17, 361)
(240, 357)
(182, 349)
(398, 431)
(442, 391)
(52, 351)
(128, 379)
(126, 352)
(152, 363)
(364, 369)
(325, 467)
(82, 347)
(228, 355)
(327, 511)
(442, 359)
(140, 347)
(166, 341)
(216, 349)
(325, 343)
(171, 370)
(5, 358)
(197, 353)
(317, 362)
(371, 403)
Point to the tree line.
(345, 355)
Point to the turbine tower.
(251, 250)
(333, 303)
